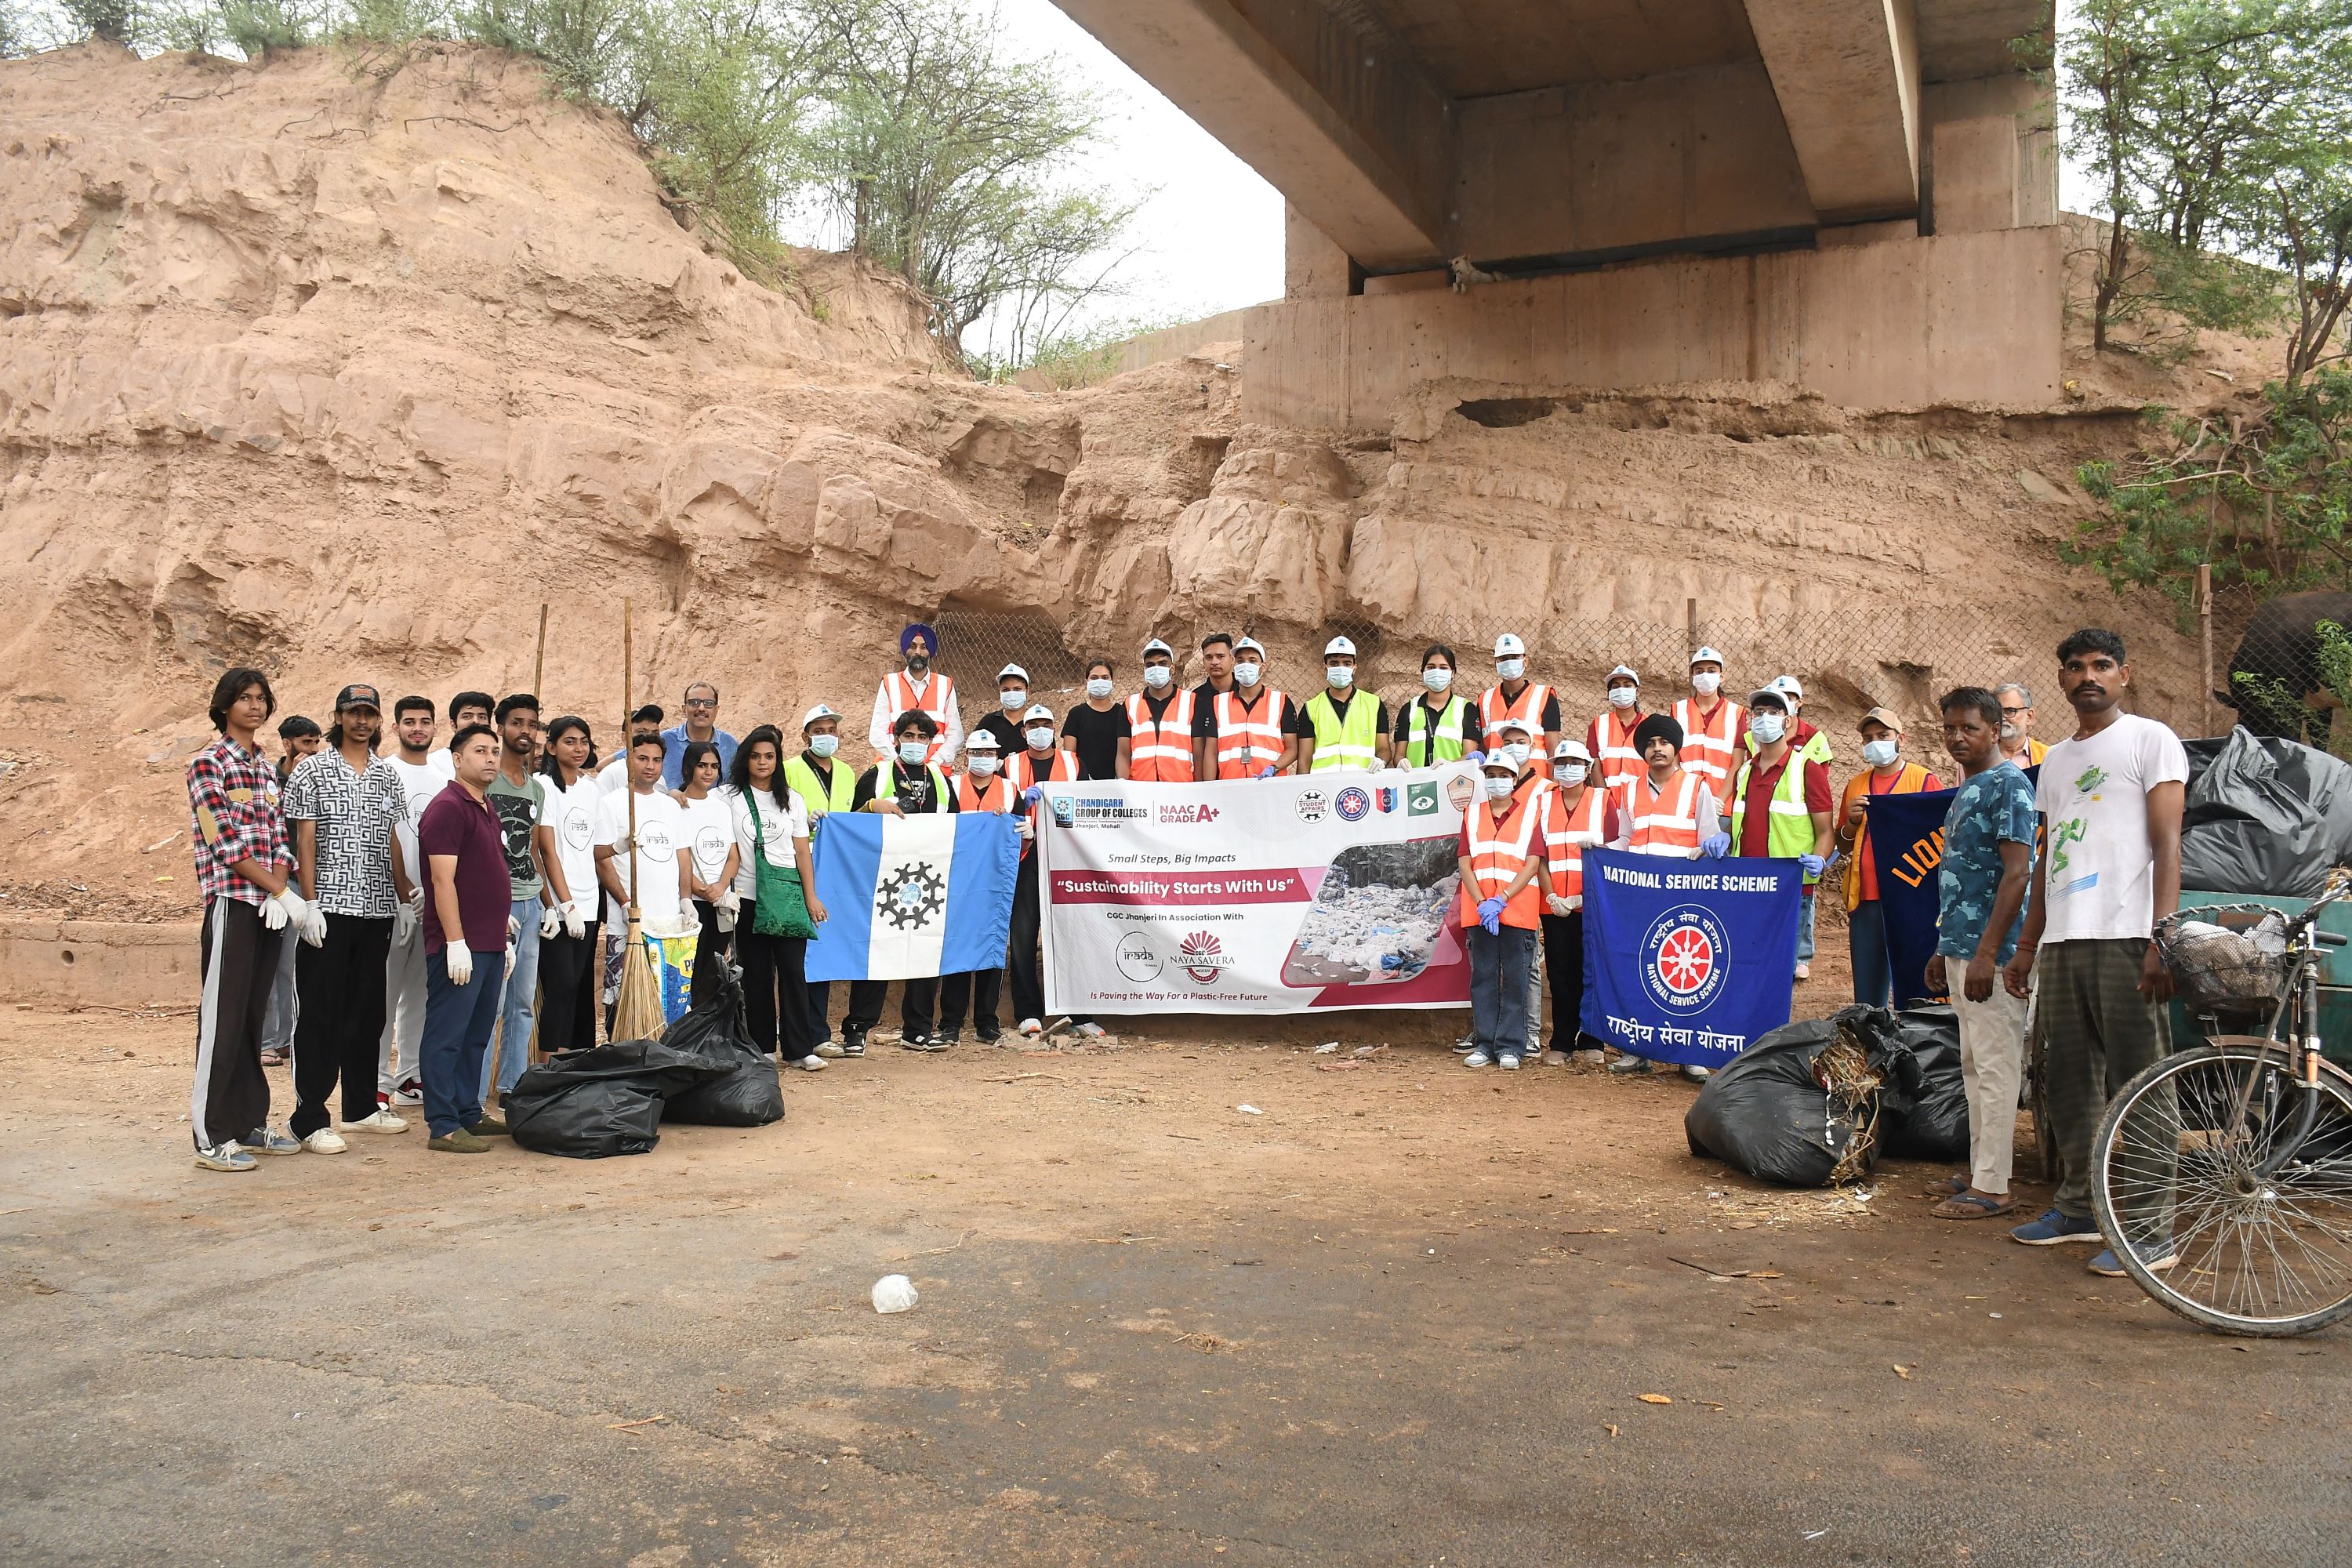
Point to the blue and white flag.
(910, 896)
(1687, 960)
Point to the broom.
(637, 1014)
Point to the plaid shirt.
(232, 816)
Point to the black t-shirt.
(1403, 731)
(1007, 733)
(915, 792)
(1096, 737)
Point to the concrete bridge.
(1856, 197)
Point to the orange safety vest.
(937, 700)
(997, 797)
(1711, 746)
(1249, 738)
(1161, 751)
(1568, 832)
(1664, 821)
(1611, 741)
(1496, 853)
(1528, 707)
(1910, 781)
(1020, 770)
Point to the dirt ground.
(1209, 1297)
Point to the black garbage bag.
(1767, 1112)
(2264, 815)
(606, 1101)
(750, 1092)
(1936, 1125)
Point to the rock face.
(346, 375)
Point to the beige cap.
(1884, 716)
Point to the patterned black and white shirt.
(355, 812)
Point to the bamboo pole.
(2205, 640)
(638, 1011)
(539, 660)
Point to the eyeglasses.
(701, 702)
(2013, 712)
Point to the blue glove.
(1475, 758)
(1266, 772)
(1812, 863)
(1490, 915)
(1031, 796)
(1715, 847)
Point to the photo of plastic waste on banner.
(673, 959)
(1284, 895)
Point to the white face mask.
(1339, 674)
(824, 746)
(1767, 728)
(1013, 701)
(1517, 752)
(1510, 669)
(1246, 674)
(1437, 679)
(1569, 772)
(1040, 737)
(912, 753)
(1878, 754)
(1707, 682)
(1098, 687)
(1624, 696)
(1156, 676)
(981, 764)
(1499, 789)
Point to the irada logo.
(1203, 957)
(1685, 958)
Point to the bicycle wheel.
(2178, 1170)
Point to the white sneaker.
(1477, 1059)
(226, 1157)
(269, 1141)
(1696, 1074)
(1804, 972)
(382, 1121)
(410, 1092)
(1587, 1058)
(810, 1064)
(1555, 1058)
(1509, 1063)
(1030, 1028)
(324, 1141)
(829, 1048)
(1090, 1031)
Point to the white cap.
(1624, 669)
(1339, 645)
(1038, 710)
(816, 713)
(1013, 670)
(1252, 644)
(1156, 645)
(1570, 750)
(1790, 684)
(1496, 759)
(980, 741)
(1509, 644)
(1521, 725)
(1705, 656)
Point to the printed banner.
(909, 897)
(673, 961)
(1906, 844)
(1687, 960)
(1282, 895)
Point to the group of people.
(427, 903)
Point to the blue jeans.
(457, 1024)
(1805, 928)
(1865, 939)
(521, 995)
(1498, 988)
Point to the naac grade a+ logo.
(1684, 958)
(912, 897)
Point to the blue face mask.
(912, 753)
(1767, 728)
(824, 746)
(1098, 687)
(1339, 675)
(1437, 677)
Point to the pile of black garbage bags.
(612, 1100)
(2264, 815)
(1766, 1111)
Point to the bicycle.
(2222, 1174)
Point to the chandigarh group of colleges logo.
(1200, 955)
(1684, 958)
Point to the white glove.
(459, 958)
(404, 922)
(575, 924)
(549, 918)
(281, 907)
(722, 917)
(731, 901)
(1028, 828)
(1559, 905)
(314, 923)
(514, 929)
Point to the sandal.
(1949, 1187)
(273, 1059)
(1973, 1205)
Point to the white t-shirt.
(710, 834)
(571, 813)
(661, 829)
(421, 783)
(614, 774)
(438, 760)
(2094, 803)
(778, 825)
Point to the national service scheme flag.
(1687, 960)
(910, 896)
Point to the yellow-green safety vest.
(1789, 831)
(1345, 743)
(801, 779)
(1420, 750)
(885, 785)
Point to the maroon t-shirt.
(457, 823)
